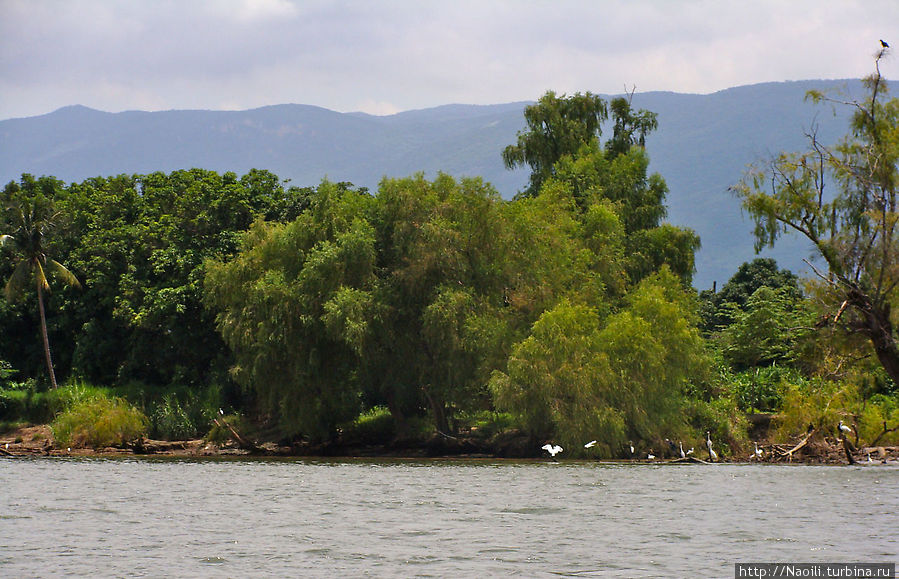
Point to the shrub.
(762, 389)
(220, 433)
(98, 422)
(375, 426)
(170, 420)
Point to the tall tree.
(556, 126)
(854, 227)
(30, 215)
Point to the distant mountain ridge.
(703, 145)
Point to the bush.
(220, 433)
(375, 426)
(170, 420)
(762, 389)
(98, 422)
(486, 423)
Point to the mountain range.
(703, 145)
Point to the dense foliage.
(333, 313)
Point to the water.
(313, 518)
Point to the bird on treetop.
(884, 44)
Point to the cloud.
(402, 54)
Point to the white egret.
(631, 446)
(552, 449)
(650, 456)
(843, 428)
(713, 456)
(682, 453)
(869, 458)
(758, 451)
(689, 452)
(590, 444)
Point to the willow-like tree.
(583, 375)
(844, 200)
(30, 215)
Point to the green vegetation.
(99, 422)
(336, 315)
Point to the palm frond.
(39, 276)
(63, 273)
(18, 281)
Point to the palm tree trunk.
(40, 307)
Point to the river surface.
(436, 518)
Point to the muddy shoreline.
(38, 441)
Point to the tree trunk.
(40, 307)
(879, 329)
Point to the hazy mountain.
(702, 147)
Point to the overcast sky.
(383, 57)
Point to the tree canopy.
(844, 200)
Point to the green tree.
(285, 307)
(556, 126)
(853, 226)
(766, 330)
(718, 307)
(581, 375)
(630, 127)
(30, 217)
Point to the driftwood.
(789, 453)
(244, 444)
(687, 460)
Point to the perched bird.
(590, 444)
(650, 456)
(713, 456)
(631, 446)
(884, 44)
(689, 452)
(843, 428)
(758, 451)
(552, 449)
(682, 453)
(869, 458)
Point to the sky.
(386, 56)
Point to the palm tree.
(31, 221)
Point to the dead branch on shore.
(245, 445)
(884, 433)
(780, 454)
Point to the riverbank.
(38, 440)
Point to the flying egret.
(552, 449)
(590, 444)
(682, 453)
(713, 456)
